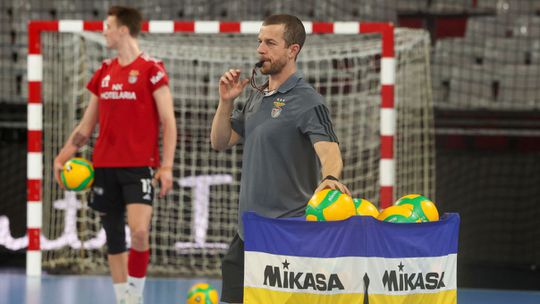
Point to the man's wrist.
(228, 101)
(330, 177)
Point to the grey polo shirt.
(280, 169)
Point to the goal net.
(192, 227)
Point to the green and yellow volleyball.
(365, 208)
(330, 205)
(421, 205)
(202, 293)
(398, 214)
(78, 174)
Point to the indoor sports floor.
(15, 288)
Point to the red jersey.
(128, 116)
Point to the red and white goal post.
(385, 62)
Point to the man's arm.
(164, 104)
(222, 136)
(78, 137)
(231, 86)
(331, 165)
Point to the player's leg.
(107, 200)
(138, 193)
(139, 216)
(117, 266)
(232, 270)
(114, 225)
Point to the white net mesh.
(192, 227)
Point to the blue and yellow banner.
(359, 260)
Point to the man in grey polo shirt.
(290, 148)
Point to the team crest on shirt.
(278, 107)
(133, 74)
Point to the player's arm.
(222, 136)
(164, 104)
(331, 165)
(78, 138)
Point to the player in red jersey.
(130, 99)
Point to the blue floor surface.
(16, 288)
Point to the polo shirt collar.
(290, 82)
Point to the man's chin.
(267, 69)
(269, 72)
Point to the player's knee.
(139, 238)
(115, 232)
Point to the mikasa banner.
(359, 260)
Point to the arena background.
(485, 72)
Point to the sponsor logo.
(133, 75)
(117, 86)
(275, 276)
(156, 78)
(105, 81)
(402, 281)
(118, 95)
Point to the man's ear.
(124, 29)
(294, 49)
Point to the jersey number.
(146, 185)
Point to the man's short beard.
(274, 68)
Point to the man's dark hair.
(127, 16)
(294, 32)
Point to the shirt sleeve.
(238, 121)
(158, 76)
(238, 116)
(95, 82)
(316, 124)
